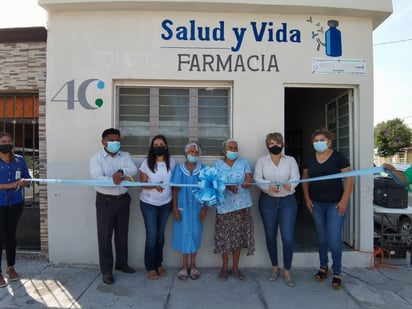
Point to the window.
(181, 114)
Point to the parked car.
(399, 222)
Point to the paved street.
(43, 285)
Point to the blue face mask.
(192, 159)
(320, 146)
(113, 147)
(231, 155)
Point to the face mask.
(113, 147)
(275, 149)
(320, 146)
(192, 159)
(231, 155)
(159, 151)
(6, 148)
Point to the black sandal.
(336, 282)
(322, 274)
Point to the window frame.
(153, 130)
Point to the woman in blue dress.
(188, 212)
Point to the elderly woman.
(277, 203)
(234, 223)
(327, 200)
(188, 212)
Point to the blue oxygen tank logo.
(333, 39)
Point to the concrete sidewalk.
(43, 285)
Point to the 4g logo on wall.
(68, 93)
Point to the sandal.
(322, 274)
(153, 275)
(161, 271)
(238, 275)
(274, 275)
(194, 274)
(223, 275)
(336, 282)
(3, 282)
(289, 281)
(182, 274)
(11, 272)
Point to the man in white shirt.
(112, 203)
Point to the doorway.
(308, 109)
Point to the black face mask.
(6, 148)
(275, 149)
(159, 151)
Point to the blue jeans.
(155, 220)
(279, 211)
(329, 228)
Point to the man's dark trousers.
(112, 213)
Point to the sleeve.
(175, 175)
(343, 161)
(144, 167)
(96, 168)
(408, 175)
(247, 167)
(25, 170)
(305, 164)
(130, 169)
(258, 176)
(294, 172)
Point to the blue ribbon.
(108, 183)
(210, 189)
(365, 171)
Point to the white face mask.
(320, 146)
(113, 147)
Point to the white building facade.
(206, 71)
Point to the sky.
(393, 65)
(392, 54)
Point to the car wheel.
(405, 227)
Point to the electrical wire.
(377, 257)
(392, 42)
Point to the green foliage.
(391, 136)
(33, 165)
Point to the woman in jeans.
(155, 203)
(13, 171)
(277, 203)
(327, 200)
